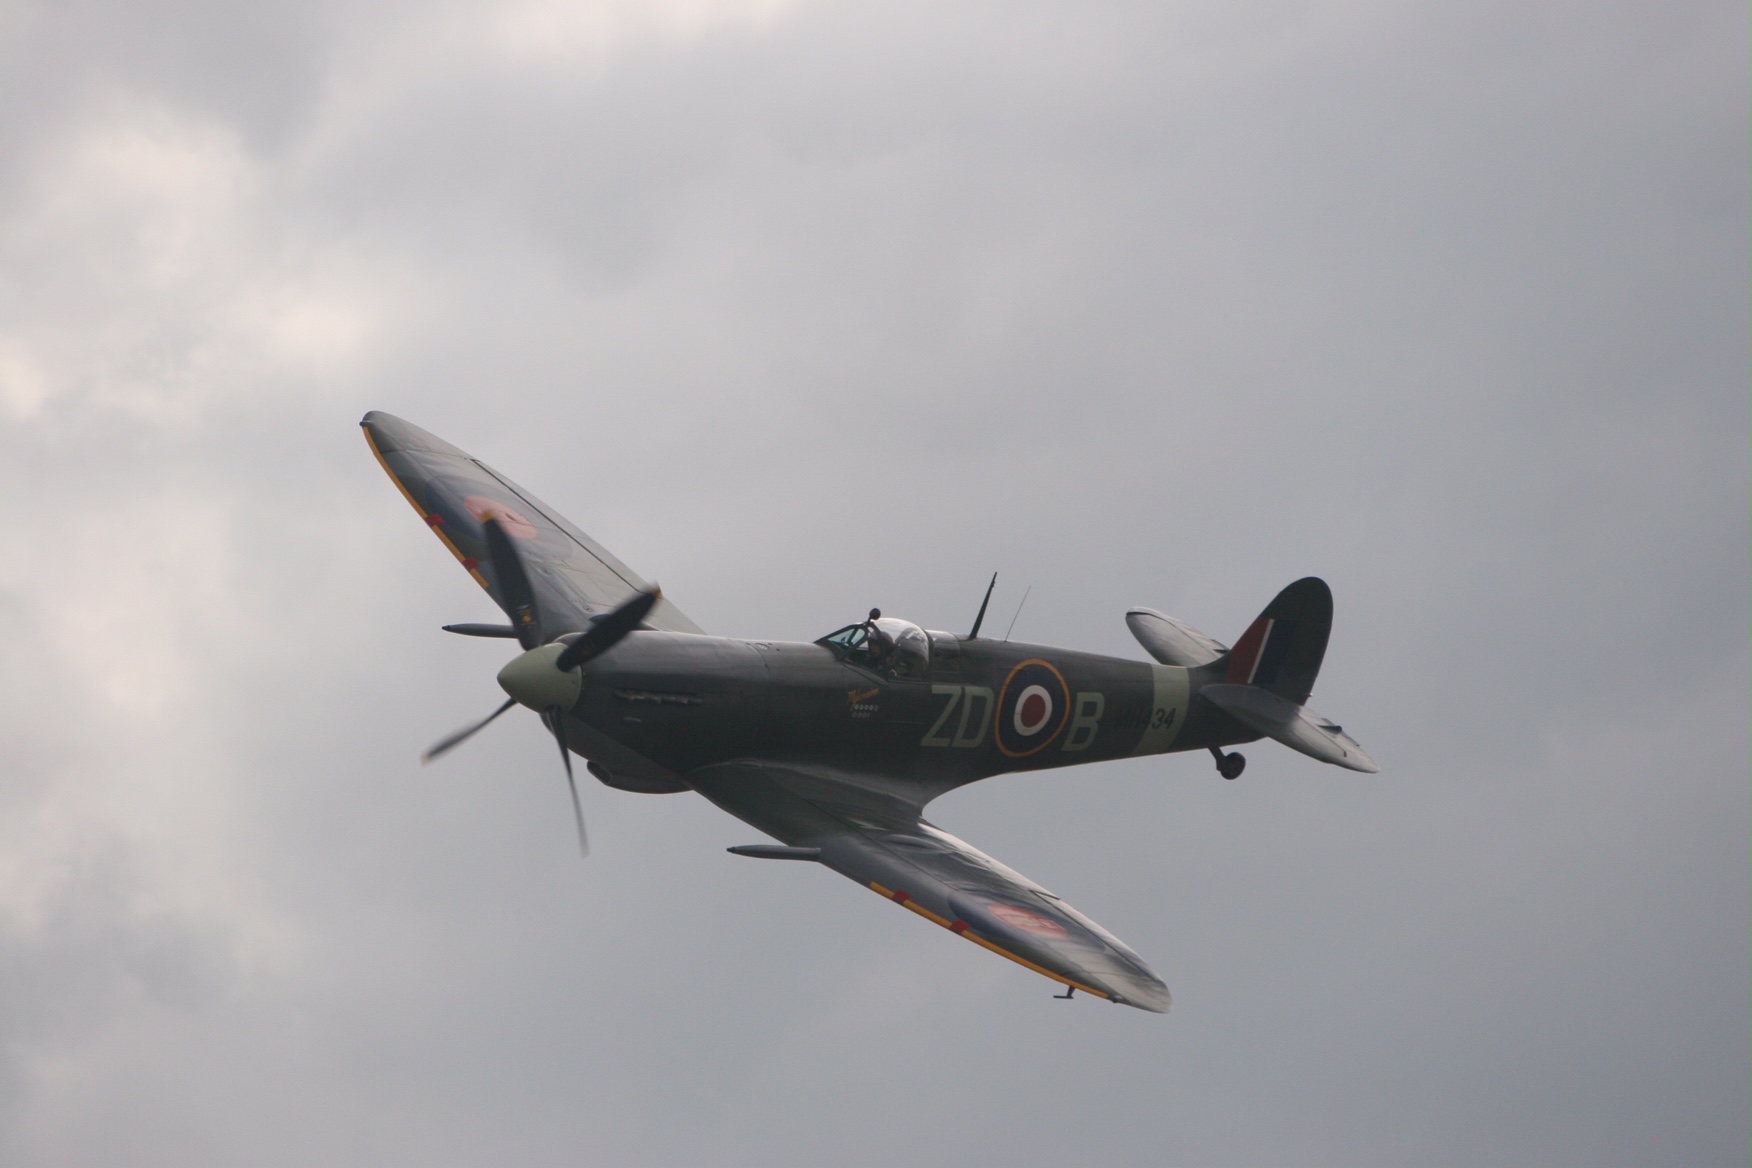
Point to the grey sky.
(801, 308)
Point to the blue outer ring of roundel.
(1024, 677)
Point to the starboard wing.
(573, 576)
(868, 832)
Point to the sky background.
(804, 307)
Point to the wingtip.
(1154, 999)
(1357, 759)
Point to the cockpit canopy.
(885, 644)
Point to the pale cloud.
(573, 33)
(24, 387)
(150, 269)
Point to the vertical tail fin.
(1282, 649)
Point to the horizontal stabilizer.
(1297, 727)
(1171, 642)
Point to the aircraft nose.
(535, 681)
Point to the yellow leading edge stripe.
(421, 511)
(982, 942)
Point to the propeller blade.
(552, 716)
(513, 584)
(607, 631)
(461, 736)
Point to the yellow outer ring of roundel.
(998, 713)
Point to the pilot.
(881, 648)
(877, 644)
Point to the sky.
(802, 307)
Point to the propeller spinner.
(546, 677)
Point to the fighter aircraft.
(834, 747)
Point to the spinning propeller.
(546, 678)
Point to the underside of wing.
(574, 577)
(865, 830)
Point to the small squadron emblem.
(862, 702)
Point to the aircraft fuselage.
(662, 704)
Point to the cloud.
(802, 308)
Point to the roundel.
(1032, 708)
(510, 519)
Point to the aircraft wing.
(574, 577)
(869, 833)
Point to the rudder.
(1282, 649)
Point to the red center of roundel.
(1033, 709)
(509, 518)
(1028, 922)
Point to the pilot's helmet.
(900, 645)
